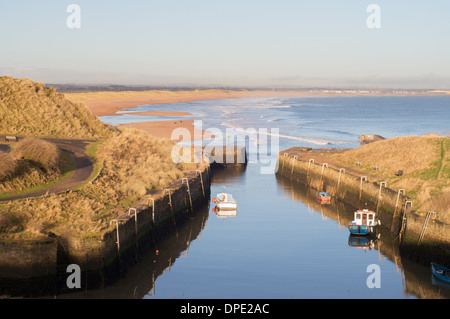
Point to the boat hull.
(361, 230)
(440, 272)
(226, 206)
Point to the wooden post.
(171, 210)
(360, 185)
(339, 179)
(323, 168)
(135, 225)
(189, 191)
(399, 192)
(379, 194)
(201, 181)
(153, 208)
(170, 199)
(117, 235)
(424, 228)
(284, 160)
(294, 159)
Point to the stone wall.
(395, 208)
(137, 230)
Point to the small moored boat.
(364, 223)
(440, 272)
(324, 198)
(225, 201)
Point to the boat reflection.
(362, 242)
(224, 213)
(415, 277)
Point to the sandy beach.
(109, 103)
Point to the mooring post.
(171, 209)
(135, 225)
(167, 190)
(341, 170)
(188, 190)
(424, 228)
(201, 181)
(404, 219)
(117, 235)
(360, 185)
(294, 159)
(153, 208)
(284, 160)
(323, 168)
(399, 192)
(379, 194)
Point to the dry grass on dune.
(7, 165)
(409, 154)
(32, 162)
(46, 154)
(425, 161)
(139, 163)
(29, 108)
(134, 165)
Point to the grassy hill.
(133, 165)
(425, 161)
(29, 108)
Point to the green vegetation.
(28, 108)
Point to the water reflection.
(224, 213)
(362, 242)
(416, 279)
(140, 280)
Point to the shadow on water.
(139, 281)
(417, 279)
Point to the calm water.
(282, 244)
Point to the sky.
(245, 43)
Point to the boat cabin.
(226, 198)
(365, 218)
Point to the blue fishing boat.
(364, 223)
(440, 272)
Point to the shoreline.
(108, 103)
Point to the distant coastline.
(109, 103)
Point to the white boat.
(225, 201)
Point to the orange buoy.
(213, 200)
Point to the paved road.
(83, 167)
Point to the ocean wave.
(271, 106)
(316, 141)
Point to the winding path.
(84, 167)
